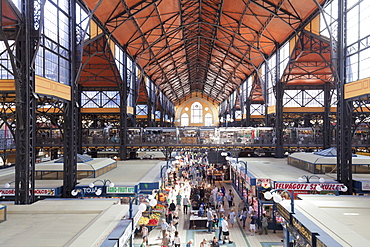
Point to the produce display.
(152, 222)
(162, 197)
(158, 208)
(143, 221)
(154, 218)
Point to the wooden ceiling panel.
(168, 8)
(129, 29)
(10, 14)
(202, 42)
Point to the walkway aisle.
(239, 236)
(242, 236)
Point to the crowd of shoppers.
(191, 186)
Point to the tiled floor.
(239, 236)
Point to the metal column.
(123, 111)
(248, 112)
(135, 91)
(326, 119)
(70, 118)
(79, 120)
(279, 151)
(26, 103)
(344, 109)
(150, 106)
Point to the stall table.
(196, 221)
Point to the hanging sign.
(307, 186)
(120, 190)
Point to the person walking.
(185, 203)
(215, 222)
(175, 219)
(220, 199)
(230, 198)
(244, 215)
(178, 201)
(209, 220)
(172, 206)
(264, 225)
(221, 209)
(252, 226)
(145, 232)
(223, 193)
(220, 226)
(177, 239)
(215, 242)
(166, 240)
(171, 232)
(164, 227)
(145, 242)
(225, 231)
(232, 217)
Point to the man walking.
(178, 201)
(252, 226)
(225, 231)
(220, 226)
(164, 227)
(185, 203)
(209, 220)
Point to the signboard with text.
(306, 186)
(120, 190)
(38, 192)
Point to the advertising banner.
(307, 186)
(38, 192)
(120, 190)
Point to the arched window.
(185, 119)
(196, 113)
(208, 119)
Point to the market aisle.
(240, 237)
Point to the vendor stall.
(197, 221)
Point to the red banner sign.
(307, 186)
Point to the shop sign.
(38, 192)
(263, 182)
(126, 235)
(120, 190)
(88, 190)
(302, 230)
(307, 186)
(283, 212)
(365, 185)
